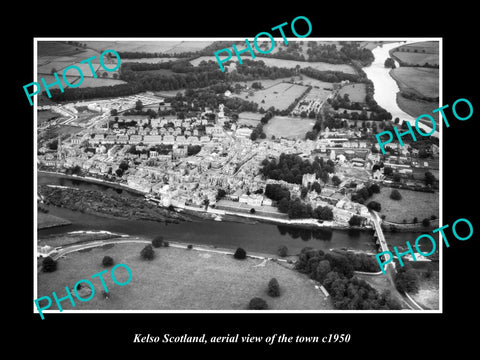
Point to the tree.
(426, 222)
(107, 261)
(49, 265)
(316, 187)
(221, 193)
(374, 189)
(240, 254)
(303, 192)
(114, 112)
(336, 180)
(138, 105)
(415, 220)
(389, 62)
(258, 304)
(406, 280)
(374, 205)
(428, 274)
(397, 177)
(322, 270)
(311, 135)
(387, 171)
(147, 253)
(282, 251)
(273, 288)
(157, 241)
(252, 211)
(395, 195)
(355, 220)
(429, 178)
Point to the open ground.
(288, 127)
(180, 279)
(413, 204)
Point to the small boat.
(217, 218)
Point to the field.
(164, 46)
(285, 63)
(416, 58)
(55, 48)
(46, 115)
(356, 92)
(60, 65)
(288, 127)
(418, 53)
(420, 81)
(280, 95)
(180, 279)
(91, 82)
(249, 118)
(416, 108)
(413, 204)
(150, 60)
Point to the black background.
(372, 334)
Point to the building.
(308, 180)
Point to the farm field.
(416, 108)
(288, 127)
(58, 67)
(413, 204)
(46, 115)
(56, 48)
(150, 60)
(418, 53)
(416, 58)
(180, 279)
(249, 118)
(160, 46)
(280, 95)
(421, 81)
(91, 82)
(356, 92)
(87, 81)
(286, 63)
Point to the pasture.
(280, 95)
(180, 279)
(420, 81)
(415, 108)
(288, 127)
(356, 92)
(418, 53)
(157, 46)
(413, 204)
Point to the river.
(386, 87)
(259, 237)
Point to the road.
(390, 270)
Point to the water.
(260, 237)
(386, 87)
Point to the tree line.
(335, 271)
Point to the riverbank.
(108, 204)
(77, 204)
(46, 221)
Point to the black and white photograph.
(259, 187)
(299, 179)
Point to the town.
(187, 163)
